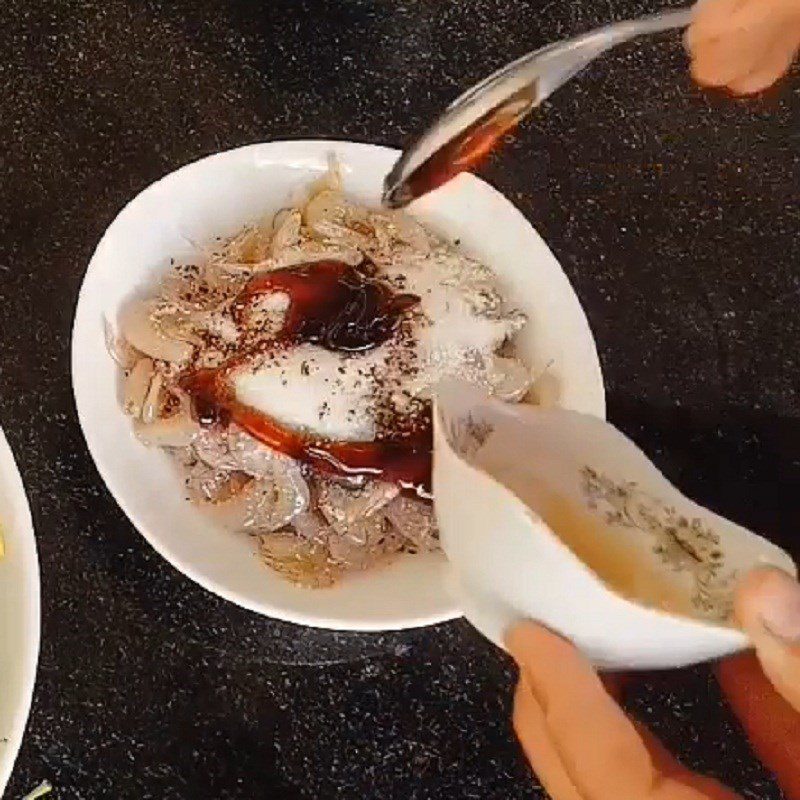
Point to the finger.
(748, 20)
(587, 730)
(768, 609)
(711, 26)
(529, 725)
(730, 43)
(716, 63)
(531, 730)
(565, 762)
(730, 56)
(710, 18)
(771, 724)
(774, 64)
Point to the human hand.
(743, 45)
(582, 745)
(768, 607)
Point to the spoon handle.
(562, 61)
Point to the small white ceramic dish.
(215, 197)
(556, 516)
(19, 611)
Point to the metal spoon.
(471, 125)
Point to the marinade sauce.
(342, 308)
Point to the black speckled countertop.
(675, 215)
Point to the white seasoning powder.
(456, 329)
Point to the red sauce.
(333, 304)
(469, 148)
(339, 307)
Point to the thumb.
(768, 609)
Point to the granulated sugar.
(460, 323)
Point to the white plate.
(215, 197)
(19, 611)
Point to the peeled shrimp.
(137, 384)
(139, 328)
(176, 431)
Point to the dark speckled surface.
(674, 213)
